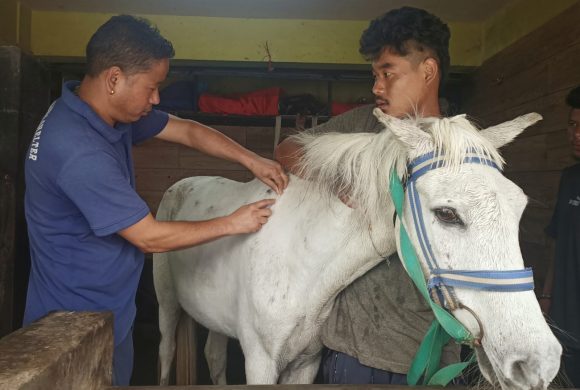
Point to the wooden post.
(186, 351)
(64, 350)
(25, 97)
(7, 233)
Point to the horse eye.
(448, 215)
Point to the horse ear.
(504, 133)
(404, 129)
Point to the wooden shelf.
(243, 120)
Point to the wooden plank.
(260, 138)
(546, 41)
(156, 154)
(538, 257)
(10, 161)
(191, 159)
(151, 179)
(552, 107)
(534, 221)
(553, 110)
(540, 187)
(539, 64)
(543, 152)
(500, 92)
(286, 387)
(152, 198)
(186, 351)
(559, 151)
(237, 133)
(7, 238)
(63, 350)
(537, 248)
(564, 66)
(526, 154)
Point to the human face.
(400, 86)
(574, 131)
(136, 94)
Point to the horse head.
(469, 214)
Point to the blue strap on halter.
(441, 281)
(504, 281)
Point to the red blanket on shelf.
(262, 102)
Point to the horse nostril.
(519, 369)
(525, 373)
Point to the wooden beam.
(64, 350)
(286, 387)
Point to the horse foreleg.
(301, 370)
(216, 349)
(261, 368)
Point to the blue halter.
(442, 281)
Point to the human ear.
(431, 69)
(111, 78)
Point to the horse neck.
(359, 247)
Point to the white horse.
(272, 290)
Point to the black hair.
(405, 28)
(126, 41)
(573, 98)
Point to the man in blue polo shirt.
(88, 228)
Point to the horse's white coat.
(272, 290)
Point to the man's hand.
(250, 218)
(270, 172)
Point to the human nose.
(378, 87)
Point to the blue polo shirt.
(80, 191)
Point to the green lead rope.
(425, 365)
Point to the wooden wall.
(24, 99)
(534, 74)
(159, 164)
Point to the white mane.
(359, 164)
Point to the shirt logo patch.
(35, 144)
(575, 202)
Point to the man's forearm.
(152, 236)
